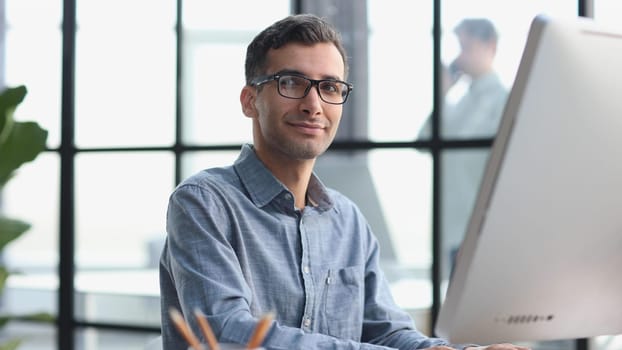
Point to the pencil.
(260, 331)
(207, 330)
(183, 328)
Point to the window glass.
(400, 76)
(126, 296)
(99, 339)
(607, 343)
(32, 196)
(32, 57)
(607, 11)
(125, 73)
(121, 201)
(215, 38)
(33, 336)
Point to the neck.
(293, 173)
(481, 73)
(296, 179)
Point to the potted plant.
(20, 142)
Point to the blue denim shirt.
(237, 248)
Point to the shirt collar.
(263, 187)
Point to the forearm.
(410, 338)
(241, 325)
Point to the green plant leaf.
(39, 317)
(42, 317)
(20, 142)
(11, 229)
(11, 344)
(23, 144)
(9, 99)
(4, 274)
(4, 319)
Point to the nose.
(312, 103)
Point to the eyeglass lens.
(298, 87)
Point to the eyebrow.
(296, 72)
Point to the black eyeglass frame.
(275, 77)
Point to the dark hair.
(303, 28)
(480, 28)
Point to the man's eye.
(290, 82)
(330, 87)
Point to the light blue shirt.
(237, 248)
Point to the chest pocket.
(343, 302)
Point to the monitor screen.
(542, 255)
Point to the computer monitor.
(542, 255)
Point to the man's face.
(296, 129)
(476, 56)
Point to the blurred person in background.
(475, 115)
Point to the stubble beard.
(295, 147)
(304, 150)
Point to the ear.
(247, 100)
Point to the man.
(265, 235)
(475, 115)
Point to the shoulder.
(211, 178)
(213, 182)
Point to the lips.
(309, 125)
(309, 128)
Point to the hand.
(498, 347)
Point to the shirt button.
(305, 269)
(307, 322)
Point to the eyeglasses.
(297, 86)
